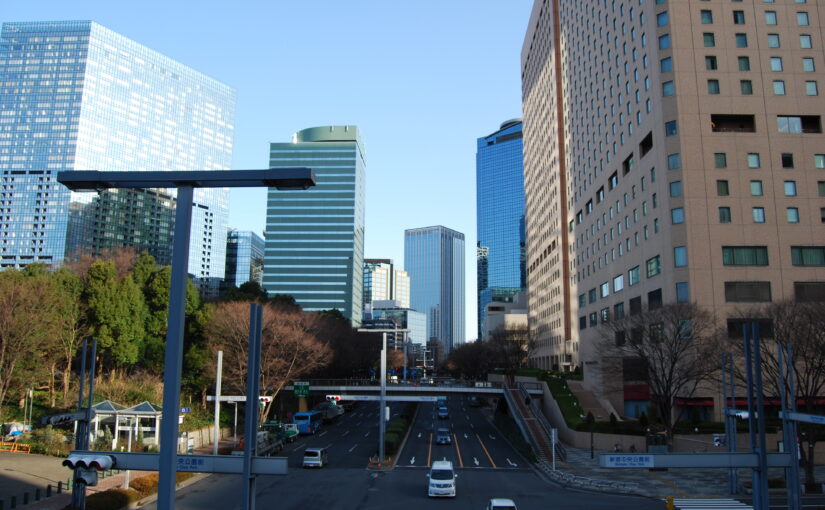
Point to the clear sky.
(422, 79)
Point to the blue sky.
(422, 79)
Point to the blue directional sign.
(627, 461)
(186, 409)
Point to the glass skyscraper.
(314, 247)
(77, 96)
(434, 260)
(244, 257)
(500, 217)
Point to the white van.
(442, 479)
(315, 457)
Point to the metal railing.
(561, 453)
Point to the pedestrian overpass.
(370, 387)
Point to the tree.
(802, 326)
(288, 347)
(28, 322)
(472, 360)
(511, 348)
(675, 347)
(249, 291)
(72, 312)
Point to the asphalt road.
(487, 467)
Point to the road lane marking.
(472, 426)
(491, 437)
(365, 435)
(458, 451)
(466, 436)
(430, 450)
(345, 433)
(419, 435)
(298, 448)
(512, 464)
(322, 433)
(353, 447)
(476, 461)
(358, 424)
(467, 416)
(412, 460)
(486, 452)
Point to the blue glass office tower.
(77, 96)
(314, 247)
(500, 217)
(244, 257)
(434, 260)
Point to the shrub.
(111, 499)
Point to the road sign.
(186, 409)
(692, 460)
(807, 418)
(195, 463)
(301, 388)
(389, 398)
(626, 461)
(57, 419)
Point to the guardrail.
(583, 482)
(561, 453)
(8, 446)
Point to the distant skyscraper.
(500, 217)
(315, 238)
(244, 257)
(383, 282)
(434, 260)
(77, 96)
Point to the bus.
(309, 422)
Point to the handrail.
(525, 431)
(545, 425)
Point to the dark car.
(443, 413)
(442, 436)
(474, 401)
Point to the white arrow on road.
(353, 447)
(491, 436)
(472, 426)
(419, 435)
(465, 436)
(365, 435)
(513, 464)
(476, 461)
(412, 460)
(345, 433)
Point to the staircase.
(588, 401)
(533, 425)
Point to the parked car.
(501, 504)
(315, 457)
(442, 436)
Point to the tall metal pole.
(217, 435)
(760, 416)
(78, 487)
(405, 358)
(253, 380)
(755, 473)
(174, 350)
(789, 426)
(381, 402)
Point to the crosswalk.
(709, 504)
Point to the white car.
(315, 457)
(442, 479)
(501, 504)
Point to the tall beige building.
(673, 152)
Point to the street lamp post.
(184, 182)
(382, 400)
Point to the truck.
(286, 432)
(265, 445)
(329, 411)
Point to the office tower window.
(773, 40)
(708, 39)
(677, 215)
(664, 42)
(633, 276)
(724, 215)
(713, 86)
(738, 17)
(592, 296)
(676, 189)
(583, 322)
(753, 160)
(779, 87)
(792, 214)
(668, 88)
(802, 124)
(770, 17)
(746, 87)
(722, 188)
(670, 128)
(808, 64)
(582, 300)
(787, 160)
(805, 42)
(680, 258)
(604, 289)
(790, 188)
(747, 292)
(653, 266)
(745, 255)
(618, 311)
(756, 188)
(720, 160)
(822, 214)
(661, 19)
(605, 314)
(821, 186)
(618, 283)
(682, 293)
(802, 19)
(758, 214)
(706, 16)
(811, 88)
(776, 64)
(666, 65)
(819, 160)
(808, 255)
(744, 63)
(594, 320)
(710, 63)
(741, 40)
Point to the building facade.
(500, 217)
(314, 248)
(673, 153)
(383, 282)
(434, 260)
(391, 314)
(244, 257)
(75, 95)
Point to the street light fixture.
(184, 182)
(381, 403)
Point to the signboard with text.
(301, 388)
(627, 461)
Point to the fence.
(8, 446)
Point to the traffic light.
(333, 399)
(264, 401)
(87, 466)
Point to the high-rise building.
(671, 154)
(314, 248)
(244, 257)
(383, 282)
(434, 259)
(77, 96)
(500, 218)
